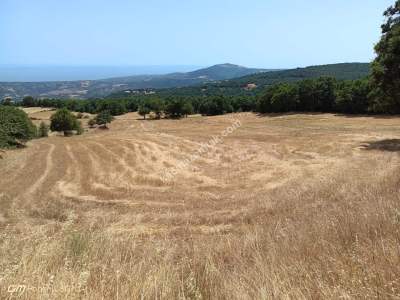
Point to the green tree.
(63, 120)
(28, 101)
(15, 127)
(155, 105)
(7, 101)
(216, 105)
(174, 108)
(386, 67)
(352, 97)
(43, 130)
(187, 109)
(103, 118)
(144, 110)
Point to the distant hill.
(104, 87)
(251, 84)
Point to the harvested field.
(302, 206)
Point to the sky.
(254, 33)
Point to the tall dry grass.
(336, 236)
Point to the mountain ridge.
(253, 83)
(104, 87)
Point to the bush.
(92, 123)
(43, 130)
(15, 127)
(79, 116)
(103, 118)
(63, 120)
(79, 128)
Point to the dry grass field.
(282, 207)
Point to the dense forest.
(254, 84)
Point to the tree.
(352, 97)
(386, 67)
(63, 120)
(7, 101)
(187, 109)
(155, 105)
(114, 107)
(28, 101)
(15, 127)
(217, 105)
(103, 118)
(43, 130)
(143, 110)
(174, 108)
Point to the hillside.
(251, 84)
(284, 207)
(104, 87)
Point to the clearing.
(283, 206)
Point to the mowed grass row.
(328, 231)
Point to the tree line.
(168, 106)
(378, 93)
(16, 128)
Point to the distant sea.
(34, 73)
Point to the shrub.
(43, 130)
(103, 118)
(15, 127)
(79, 128)
(92, 123)
(79, 116)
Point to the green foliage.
(144, 110)
(280, 98)
(236, 87)
(63, 120)
(187, 109)
(155, 105)
(79, 128)
(103, 118)
(352, 97)
(217, 105)
(28, 101)
(386, 67)
(318, 95)
(15, 127)
(43, 130)
(6, 102)
(177, 107)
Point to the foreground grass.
(337, 237)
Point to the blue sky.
(257, 33)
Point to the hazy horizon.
(38, 73)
